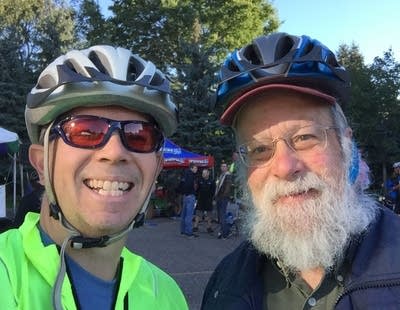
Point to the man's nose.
(114, 149)
(285, 163)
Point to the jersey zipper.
(367, 285)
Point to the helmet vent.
(232, 66)
(307, 49)
(283, 47)
(156, 80)
(95, 59)
(46, 81)
(71, 66)
(331, 59)
(135, 68)
(251, 55)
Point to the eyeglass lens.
(92, 132)
(258, 153)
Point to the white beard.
(312, 233)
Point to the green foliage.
(189, 39)
(185, 38)
(157, 29)
(41, 30)
(385, 76)
(31, 34)
(14, 83)
(13, 12)
(199, 129)
(231, 24)
(92, 27)
(374, 108)
(54, 32)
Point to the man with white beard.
(315, 240)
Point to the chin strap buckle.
(139, 220)
(54, 211)
(80, 242)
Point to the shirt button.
(339, 278)
(312, 301)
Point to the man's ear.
(36, 158)
(348, 132)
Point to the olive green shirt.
(292, 292)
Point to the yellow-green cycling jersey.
(28, 271)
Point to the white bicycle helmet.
(97, 76)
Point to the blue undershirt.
(91, 291)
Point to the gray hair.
(345, 142)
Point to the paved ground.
(189, 261)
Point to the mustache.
(280, 188)
(304, 235)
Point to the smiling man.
(314, 238)
(96, 119)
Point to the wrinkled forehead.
(280, 110)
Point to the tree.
(158, 28)
(31, 34)
(13, 88)
(189, 39)
(385, 77)
(360, 105)
(199, 129)
(373, 109)
(185, 38)
(54, 33)
(91, 25)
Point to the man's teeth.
(113, 188)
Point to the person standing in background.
(222, 196)
(188, 189)
(205, 195)
(236, 192)
(393, 188)
(234, 163)
(31, 201)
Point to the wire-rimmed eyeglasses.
(258, 153)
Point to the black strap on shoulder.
(126, 302)
(73, 288)
(118, 277)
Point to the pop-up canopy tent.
(177, 157)
(9, 145)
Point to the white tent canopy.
(9, 144)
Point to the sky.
(373, 25)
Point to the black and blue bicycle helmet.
(280, 60)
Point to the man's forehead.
(263, 131)
(281, 100)
(98, 110)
